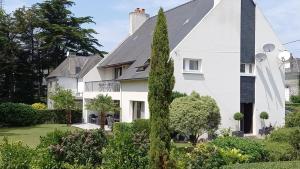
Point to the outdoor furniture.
(110, 121)
(93, 119)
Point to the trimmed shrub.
(282, 135)
(279, 151)
(238, 116)
(39, 106)
(81, 147)
(295, 99)
(269, 165)
(129, 146)
(292, 119)
(264, 115)
(194, 115)
(16, 114)
(15, 155)
(58, 116)
(252, 148)
(44, 159)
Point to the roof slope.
(137, 47)
(68, 67)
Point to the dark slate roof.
(68, 67)
(136, 49)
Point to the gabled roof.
(68, 67)
(137, 47)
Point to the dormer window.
(77, 69)
(118, 72)
(144, 67)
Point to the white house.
(214, 45)
(69, 75)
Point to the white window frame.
(186, 65)
(134, 108)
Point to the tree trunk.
(102, 120)
(69, 118)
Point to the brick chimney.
(136, 19)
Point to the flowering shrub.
(39, 106)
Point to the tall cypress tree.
(161, 84)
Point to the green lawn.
(270, 165)
(31, 135)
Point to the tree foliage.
(34, 41)
(161, 84)
(64, 100)
(102, 104)
(194, 115)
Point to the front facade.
(213, 45)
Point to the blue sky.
(111, 17)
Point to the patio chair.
(93, 118)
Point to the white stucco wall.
(68, 83)
(216, 40)
(133, 91)
(270, 89)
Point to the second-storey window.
(247, 68)
(192, 65)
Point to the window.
(192, 65)
(243, 68)
(138, 109)
(247, 68)
(78, 69)
(118, 72)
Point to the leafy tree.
(193, 115)
(102, 104)
(177, 94)
(64, 100)
(161, 84)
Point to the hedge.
(269, 165)
(17, 114)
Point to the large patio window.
(138, 109)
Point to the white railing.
(102, 86)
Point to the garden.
(128, 145)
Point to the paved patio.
(89, 126)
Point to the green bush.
(254, 149)
(81, 147)
(15, 155)
(205, 156)
(53, 138)
(58, 116)
(269, 165)
(44, 159)
(129, 146)
(16, 114)
(295, 99)
(279, 151)
(292, 119)
(288, 135)
(194, 115)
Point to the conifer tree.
(161, 84)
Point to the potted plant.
(265, 130)
(238, 116)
